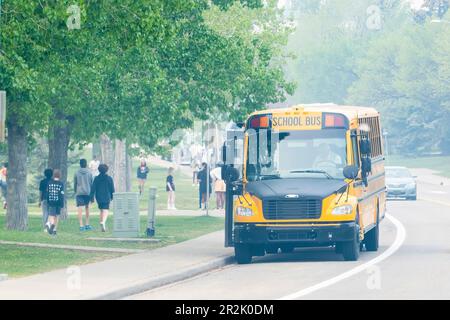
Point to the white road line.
(399, 239)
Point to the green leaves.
(138, 69)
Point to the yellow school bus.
(311, 175)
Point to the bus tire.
(350, 249)
(372, 238)
(243, 253)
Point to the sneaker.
(103, 227)
(54, 233)
(88, 227)
(51, 229)
(82, 229)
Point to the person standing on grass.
(93, 166)
(203, 177)
(219, 186)
(103, 191)
(82, 186)
(43, 204)
(170, 188)
(142, 173)
(55, 201)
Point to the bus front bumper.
(318, 234)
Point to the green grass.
(20, 261)
(439, 164)
(169, 230)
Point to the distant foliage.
(347, 54)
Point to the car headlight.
(345, 209)
(244, 212)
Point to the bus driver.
(326, 159)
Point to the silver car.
(400, 183)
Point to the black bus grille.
(292, 209)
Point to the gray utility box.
(126, 215)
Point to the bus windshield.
(296, 154)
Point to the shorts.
(54, 211)
(103, 205)
(83, 201)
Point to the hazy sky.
(415, 4)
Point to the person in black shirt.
(48, 174)
(103, 191)
(204, 190)
(170, 188)
(55, 201)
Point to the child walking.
(43, 186)
(103, 191)
(142, 173)
(170, 188)
(55, 202)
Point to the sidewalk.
(124, 276)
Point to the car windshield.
(398, 173)
(313, 154)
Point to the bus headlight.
(345, 209)
(244, 212)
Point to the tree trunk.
(120, 166)
(115, 156)
(17, 212)
(107, 152)
(129, 171)
(58, 153)
(96, 150)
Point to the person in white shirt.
(219, 186)
(93, 166)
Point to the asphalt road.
(413, 262)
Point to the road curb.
(157, 282)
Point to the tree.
(22, 49)
(405, 74)
(135, 71)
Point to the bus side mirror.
(365, 147)
(366, 165)
(351, 172)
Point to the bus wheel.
(243, 253)
(350, 249)
(372, 238)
